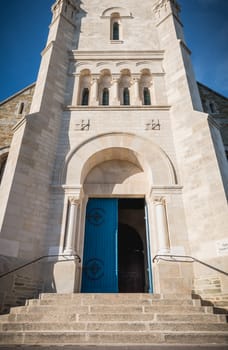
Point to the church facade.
(120, 160)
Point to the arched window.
(115, 31)
(146, 96)
(85, 97)
(105, 97)
(126, 96)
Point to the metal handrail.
(39, 259)
(191, 260)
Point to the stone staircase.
(113, 321)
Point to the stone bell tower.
(116, 127)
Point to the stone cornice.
(116, 55)
(163, 190)
(71, 190)
(116, 108)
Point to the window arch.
(85, 97)
(105, 97)
(145, 87)
(84, 90)
(105, 83)
(125, 87)
(126, 96)
(146, 96)
(115, 27)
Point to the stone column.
(136, 91)
(135, 88)
(71, 228)
(114, 98)
(94, 91)
(66, 270)
(162, 226)
(75, 97)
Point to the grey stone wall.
(12, 110)
(217, 106)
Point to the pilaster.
(181, 84)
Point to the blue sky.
(24, 29)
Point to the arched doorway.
(113, 167)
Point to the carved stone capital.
(159, 201)
(74, 200)
(95, 79)
(115, 80)
(135, 79)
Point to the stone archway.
(141, 152)
(115, 165)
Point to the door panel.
(100, 263)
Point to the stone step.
(114, 326)
(93, 338)
(106, 317)
(113, 320)
(113, 296)
(118, 308)
(107, 301)
(117, 347)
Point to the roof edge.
(17, 93)
(215, 92)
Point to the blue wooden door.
(100, 265)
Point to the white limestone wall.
(26, 191)
(203, 190)
(137, 26)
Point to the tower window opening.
(85, 97)
(105, 97)
(116, 31)
(21, 108)
(212, 107)
(126, 96)
(146, 96)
